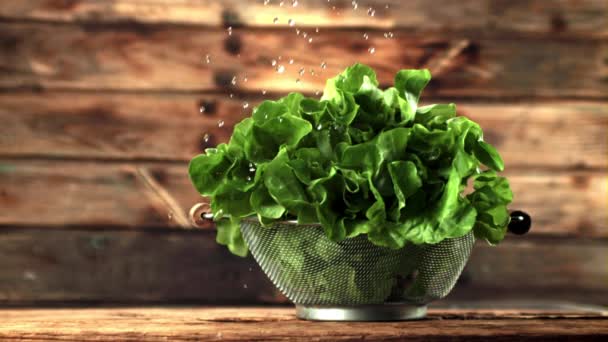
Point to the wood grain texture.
(73, 193)
(132, 57)
(45, 266)
(558, 16)
(280, 324)
(170, 127)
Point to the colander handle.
(520, 222)
(200, 214)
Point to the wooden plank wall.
(99, 109)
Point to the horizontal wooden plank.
(280, 324)
(171, 127)
(538, 16)
(45, 266)
(174, 58)
(72, 193)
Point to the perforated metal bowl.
(354, 279)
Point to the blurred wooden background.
(99, 115)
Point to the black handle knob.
(520, 223)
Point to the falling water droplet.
(279, 57)
(355, 4)
(266, 2)
(233, 81)
(170, 216)
(297, 81)
(371, 12)
(310, 40)
(249, 178)
(301, 71)
(291, 22)
(294, 3)
(280, 69)
(304, 34)
(273, 62)
(388, 35)
(316, 30)
(206, 137)
(372, 50)
(386, 6)
(207, 58)
(323, 65)
(202, 109)
(275, 20)
(220, 123)
(291, 61)
(229, 29)
(298, 32)
(280, 120)
(312, 72)
(365, 36)
(244, 286)
(319, 127)
(245, 105)
(316, 93)
(263, 91)
(231, 95)
(281, 4)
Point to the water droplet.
(371, 12)
(312, 72)
(207, 58)
(317, 93)
(291, 61)
(233, 81)
(280, 69)
(302, 71)
(310, 40)
(319, 127)
(298, 32)
(297, 81)
(386, 6)
(231, 95)
(250, 269)
(388, 35)
(304, 34)
(245, 105)
(372, 50)
(206, 137)
(266, 2)
(249, 178)
(294, 3)
(252, 169)
(280, 119)
(244, 286)
(170, 216)
(281, 4)
(323, 65)
(229, 29)
(291, 22)
(275, 20)
(245, 79)
(263, 91)
(220, 123)
(273, 62)
(316, 29)
(265, 116)
(365, 36)
(202, 109)
(355, 4)
(279, 57)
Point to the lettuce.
(360, 160)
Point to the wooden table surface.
(248, 324)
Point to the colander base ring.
(379, 312)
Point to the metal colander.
(354, 279)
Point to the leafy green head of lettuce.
(360, 160)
